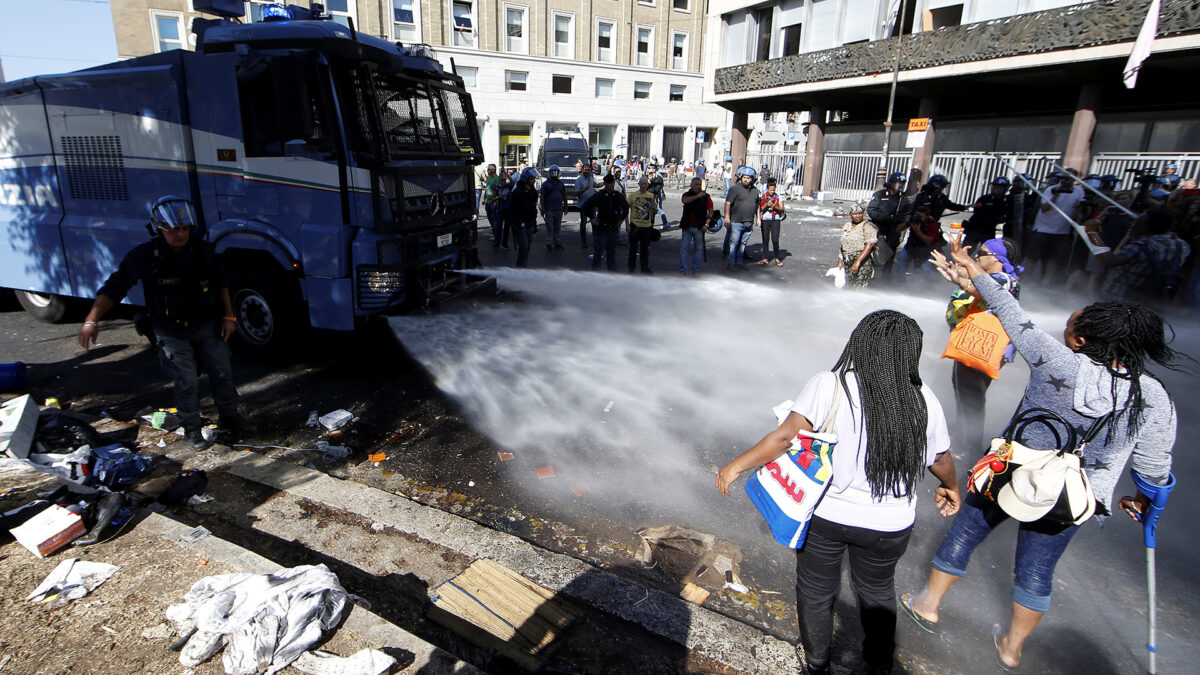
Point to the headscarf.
(997, 248)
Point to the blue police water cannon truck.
(332, 171)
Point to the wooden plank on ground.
(495, 607)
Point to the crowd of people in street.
(514, 201)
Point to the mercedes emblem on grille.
(437, 204)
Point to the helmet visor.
(173, 215)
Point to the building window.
(514, 80)
(791, 39)
(641, 90)
(606, 40)
(469, 75)
(340, 10)
(564, 35)
(604, 88)
(764, 17)
(646, 2)
(645, 46)
(679, 50)
(677, 92)
(406, 21)
(681, 5)
(516, 28)
(560, 84)
(256, 8)
(168, 30)
(464, 23)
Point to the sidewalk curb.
(428, 659)
(716, 636)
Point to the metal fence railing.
(1119, 163)
(851, 175)
(971, 172)
(777, 162)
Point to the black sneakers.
(194, 440)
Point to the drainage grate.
(95, 167)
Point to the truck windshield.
(415, 115)
(564, 159)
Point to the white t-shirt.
(1050, 221)
(848, 500)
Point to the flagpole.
(881, 176)
(1142, 46)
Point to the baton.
(1076, 226)
(1158, 501)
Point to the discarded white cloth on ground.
(71, 580)
(266, 619)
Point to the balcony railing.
(1093, 24)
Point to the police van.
(331, 170)
(564, 149)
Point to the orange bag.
(978, 342)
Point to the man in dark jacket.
(523, 210)
(610, 208)
(933, 197)
(190, 313)
(989, 211)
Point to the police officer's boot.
(194, 439)
(236, 426)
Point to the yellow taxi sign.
(918, 124)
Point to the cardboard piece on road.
(18, 422)
(545, 472)
(693, 593)
(49, 531)
(493, 606)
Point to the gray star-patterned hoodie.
(1080, 390)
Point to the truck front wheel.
(43, 306)
(267, 314)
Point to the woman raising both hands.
(1101, 369)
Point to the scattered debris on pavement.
(71, 580)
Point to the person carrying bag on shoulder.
(888, 427)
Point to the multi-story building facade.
(627, 73)
(1037, 81)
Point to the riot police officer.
(888, 208)
(190, 314)
(988, 211)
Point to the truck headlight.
(383, 282)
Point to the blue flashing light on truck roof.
(332, 170)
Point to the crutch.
(1158, 501)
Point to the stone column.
(741, 132)
(922, 161)
(1079, 142)
(814, 152)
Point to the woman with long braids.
(889, 428)
(1101, 369)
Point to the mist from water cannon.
(691, 367)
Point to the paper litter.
(261, 620)
(71, 580)
(363, 662)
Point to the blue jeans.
(739, 237)
(553, 227)
(691, 249)
(604, 246)
(183, 355)
(522, 237)
(905, 259)
(1039, 546)
(497, 223)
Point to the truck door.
(31, 252)
(292, 176)
(122, 142)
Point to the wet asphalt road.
(1097, 623)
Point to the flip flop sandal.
(905, 602)
(996, 631)
(779, 263)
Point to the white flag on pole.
(1141, 47)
